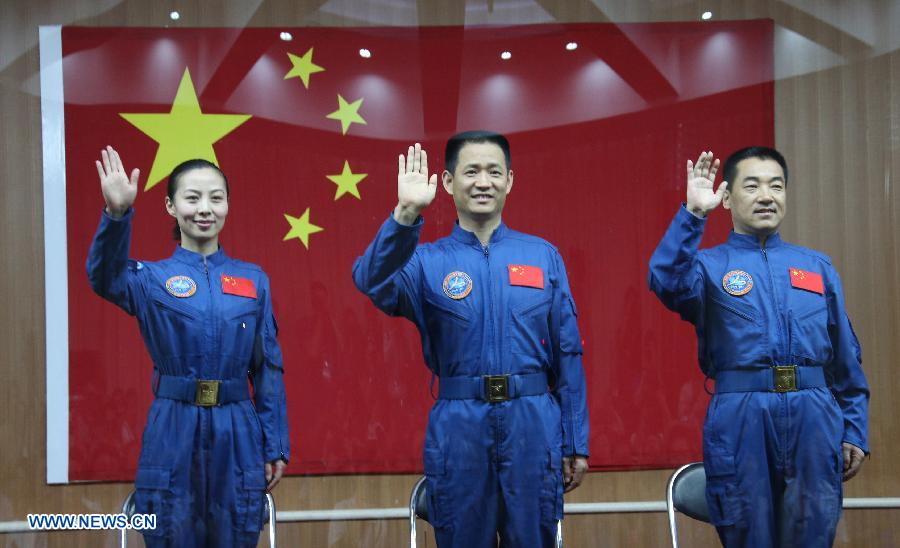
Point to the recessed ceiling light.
(572, 46)
(174, 16)
(505, 55)
(707, 15)
(286, 36)
(364, 53)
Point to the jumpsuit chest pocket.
(809, 327)
(174, 306)
(238, 325)
(530, 320)
(450, 329)
(179, 326)
(736, 326)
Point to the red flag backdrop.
(599, 134)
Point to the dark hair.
(763, 153)
(458, 141)
(181, 169)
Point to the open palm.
(119, 190)
(415, 191)
(702, 196)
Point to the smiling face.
(480, 182)
(758, 197)
(200, 205)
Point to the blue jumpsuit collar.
(192, 258)
(464, 236)
(751, 241)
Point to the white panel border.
(55, 254)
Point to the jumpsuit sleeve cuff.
(397, 226)
(689, 217)
(126, 217)
(272, 456)
(857, 443)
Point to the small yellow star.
(347, 113)
(346, 182)
(184, 132)
(303, 67)
(301, 228)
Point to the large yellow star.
(303, 67)
(347, 113)
(346, 182)
(301, 228)
(185, 132)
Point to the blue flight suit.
(490, 466)
(201, 469)
(773, 459)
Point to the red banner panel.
(308, 131)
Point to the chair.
(128, 510)
(418, 508)
(686, 493)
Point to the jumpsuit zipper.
(495, 354)
(784, 427)
(785, 352)
(210, 318)
(495, 418)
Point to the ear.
(510, 183)
(170, 207)
(447, 181)
(726, 199)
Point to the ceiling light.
(364, 53)
(707, 15)
(505, 55)
(286, 36)
(174, 16)
(572, 46)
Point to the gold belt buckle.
(207, 393)
(496, 387)
(785, 378)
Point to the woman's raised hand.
(119, 190)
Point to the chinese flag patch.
(242, 287)
(524, 275)
(810, 281)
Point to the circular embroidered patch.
(181, 286)
(737, 283)
(457, 285)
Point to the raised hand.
(415, 190)
(701, 198)
(119, 191)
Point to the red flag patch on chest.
(527, 276)
(810, 281)
(242, 287)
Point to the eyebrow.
(475, 164)
(756, 179)
(213, 191)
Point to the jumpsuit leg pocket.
(552, 489)
(153, 495)
(436, 485)
(837, 495)
(722, 490)
(248, 502)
